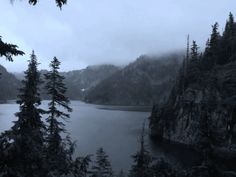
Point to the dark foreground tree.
(9, 50)
(22, 149)
(60, 150)
(57, 154)
(142, 160)
(59, 3)
(121, 174)
(102, 167)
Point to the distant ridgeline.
(79, 81)
(146, 81)
(8, 85)
(202, 103)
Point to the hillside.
(79, 81)
(202, 104)
(8, 85)
(143, 82)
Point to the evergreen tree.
(211, 54)
(22, 146)
(102, 167)
(164, 169)
(205, 141)
(59, 150)
(194, 51)
(215, 36)
(121, 174)
(142, 160)
(56, 90)
(193, 73)
(230, 25)
(228, 43)
(207, 53)
(187, 50)
(59, 3)
(9, 50)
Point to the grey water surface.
(116, 130)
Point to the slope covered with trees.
(202, 103)
(79, 82)
(8, 85)
(142, 82)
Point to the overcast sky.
(90, 32)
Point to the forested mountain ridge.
(8, 85)
(79, 81)
(202, 105)
(143, 82)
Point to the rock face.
(202, 104)
(142, 82)
(179, 119)
(8, 85)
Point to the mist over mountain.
(201, 109)
(146, 81)
(113, 76)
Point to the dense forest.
(9, 85)
(146, 81)
(199, 112)
(151, 76)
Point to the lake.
(116, 129)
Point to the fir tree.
(228, 40)
(59, 150)
(211, 54)
(56, 89)
(194, 51)
(187, 50)
(215, 36)
(9, 50)
(193, 73)
(59, 3)
(102, 167)
(121, 174)
(205, 142)
(231, 25)
(22, 146)
(142, 160)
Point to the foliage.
(102, 167)
(142, 160)
(22, 146)
(9, 50)
(200, 110)
(59, 3)
(59, 151)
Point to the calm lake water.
(116, 129)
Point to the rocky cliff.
(202, 103)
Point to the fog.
(91, 32)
